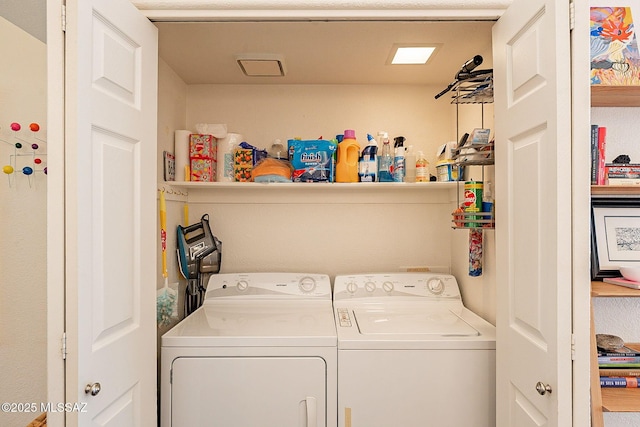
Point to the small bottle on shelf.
(368, 165)
(398, 159)
(422, 168)
(385, 161)
(410, 165)
(487, 203)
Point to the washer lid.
(394, 321)
(255, 323)
(411, 327)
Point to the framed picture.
(615, 235)
(615, 59)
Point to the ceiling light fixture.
(411, 54)
(262, 65)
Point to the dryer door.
(248, 391)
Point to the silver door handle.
(92, 389)
(543, 388)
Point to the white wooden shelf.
(315, 186)
(315, 193)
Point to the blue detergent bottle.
(385, 161)
(368, 163)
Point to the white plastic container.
(410, 165)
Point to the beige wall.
(263, 113)
(22, 227)
(172, 107)
(333, 232)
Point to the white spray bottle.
(398, 159)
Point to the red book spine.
(602, 141)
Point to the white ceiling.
(30, 15)
(322, 52)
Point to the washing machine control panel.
(413, 285)
(269, 285)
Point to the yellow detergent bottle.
(348, 156)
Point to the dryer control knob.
(352, 287)
(435, 286)
(307, 284)
(242, 285)
(387, 286)
(370, 286)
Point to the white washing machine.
(260, 351)
(410, 354)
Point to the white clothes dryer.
(410, 354)
(260, 351)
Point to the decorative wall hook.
(172, 191)
(27, 158)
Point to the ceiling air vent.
(262, 65)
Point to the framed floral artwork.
(615, 59)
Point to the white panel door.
(249, 391)
(533, 206)
(110, 175)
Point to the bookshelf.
(614, 190)
(601, 289)
(611, 399)
(615, 96)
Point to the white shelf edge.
(357, 186)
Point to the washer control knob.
(435, 286)
(352, 287)
(242, 285)
(307, 284)
(387, 286)
(370, 286)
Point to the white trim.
(581, 223)
(321, 4)
(55, 211)
(204, 10)
(321, 14)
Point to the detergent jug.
(348, 156)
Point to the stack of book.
(619, 368)
(603, 173)
(622, 173)
(621, 281)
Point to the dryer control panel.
(397, 285)
(269, 286)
